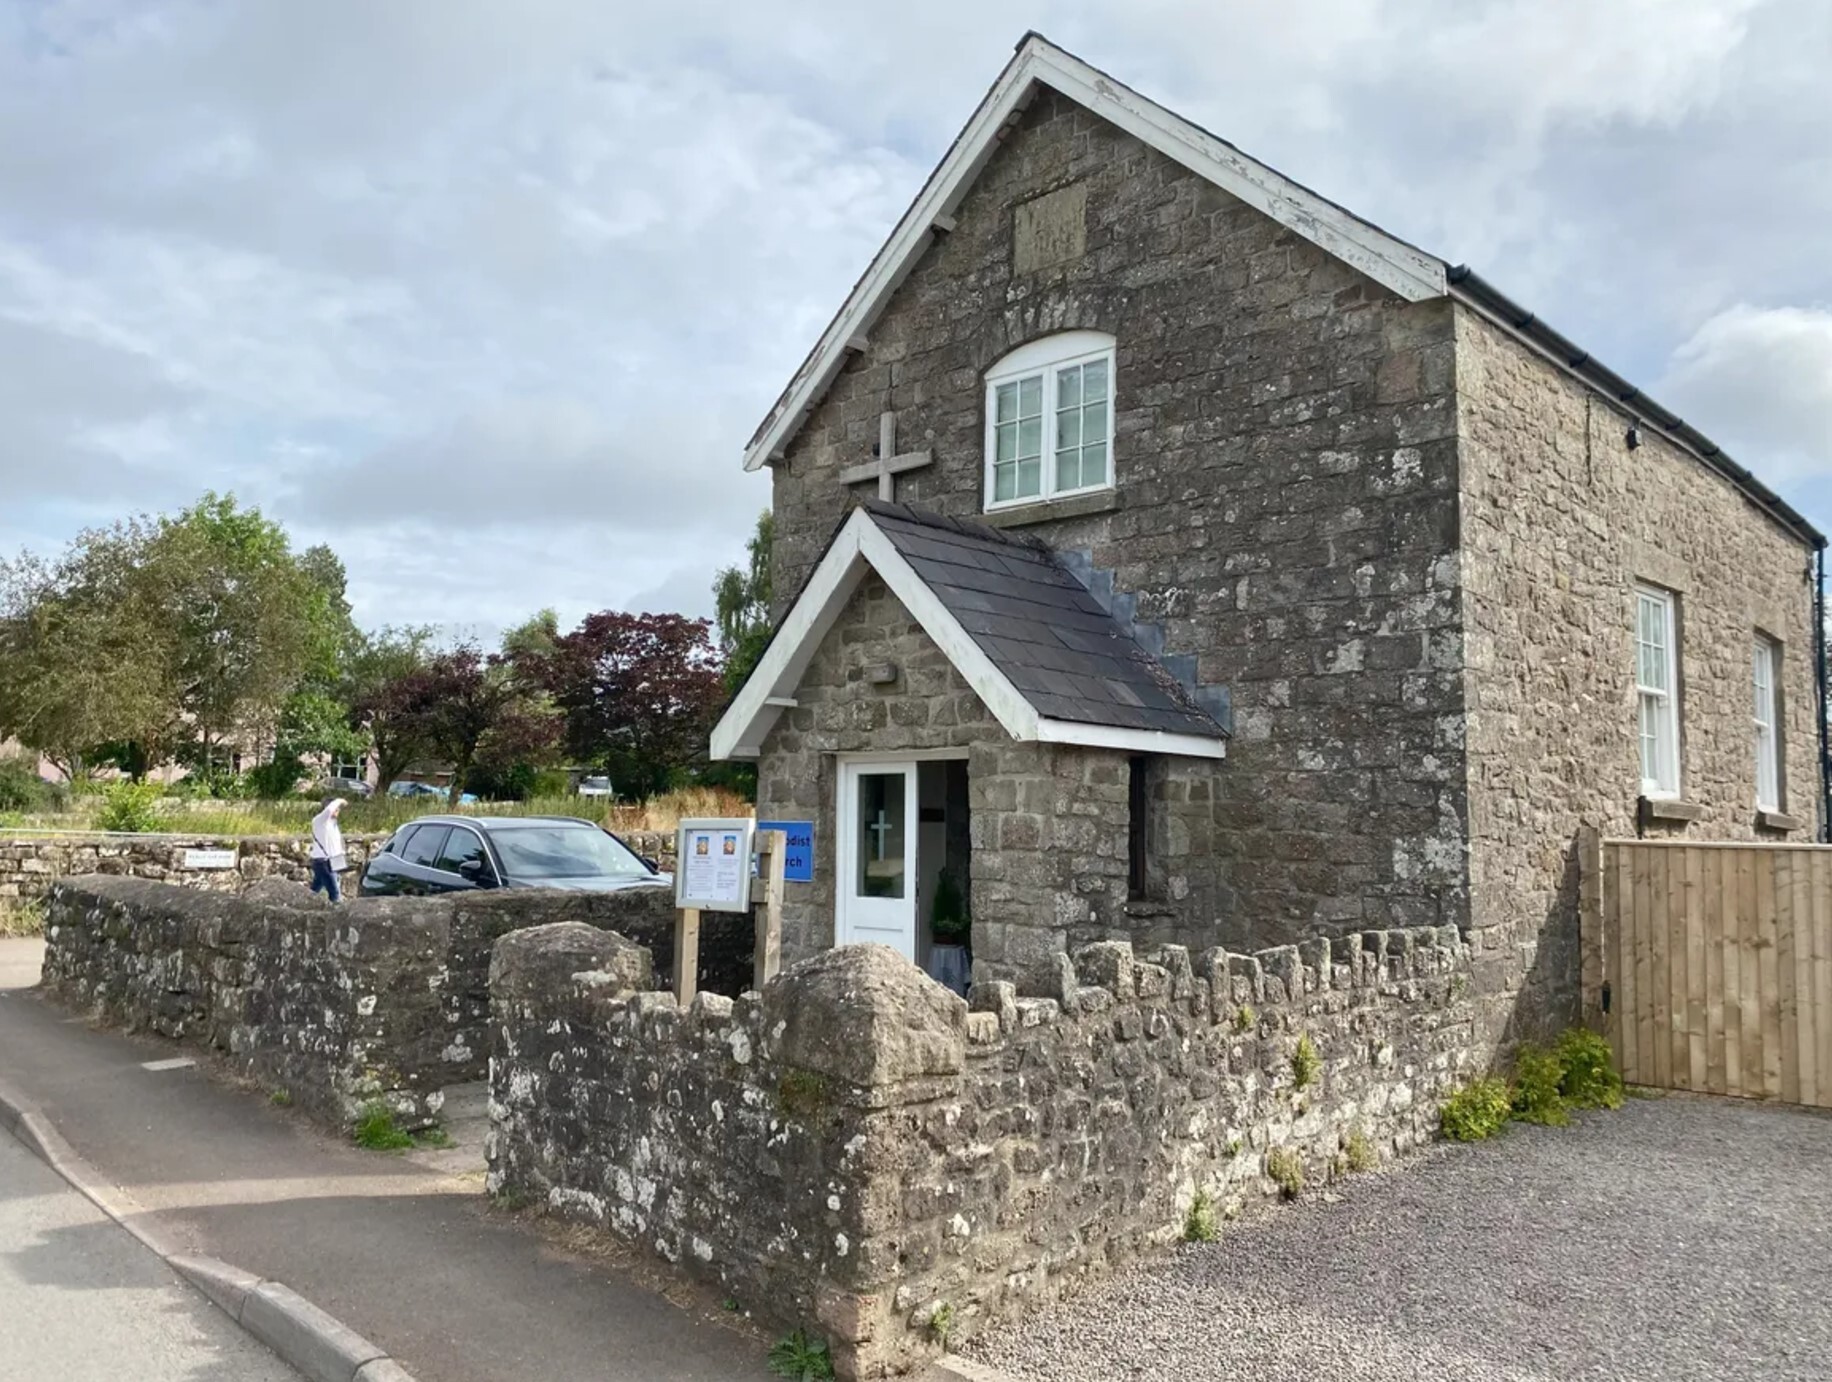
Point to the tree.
(85, 651)
(743, 601)
(533, 636)
(467, 708)
(638, 693)
(247, 619)
(378, 688)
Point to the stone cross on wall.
(887, 465)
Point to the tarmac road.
(82, 1301)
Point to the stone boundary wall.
(382, 998)
(31, 861)
(856, 1150)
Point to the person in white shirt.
(328, 859)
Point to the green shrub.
(1538, 1074)
(1200, 1224)
(1306, 1064)
(21, 789)
(1478, 1110)
(801, 1358)
(376, 1129)
(1589, 1078)
(130, 807)
(1285, 1169)
(551, 782)
(1359, 1153)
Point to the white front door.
(876, 892)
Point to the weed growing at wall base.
(1200, 1224)
(1477, 1111)
(1589, 1078)
(1538, 1074)
(801, 1358)
(21, 917)
(1285, 1169)
(375, 1129)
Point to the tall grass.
(382, 815)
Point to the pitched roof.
(1048, 661)
(1039, 625)
(1408, 271)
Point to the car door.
(385, 875)
(420, 858)
(464, 863)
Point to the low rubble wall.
(860, 1152)
(31, 861)
(379, 999)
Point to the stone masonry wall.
(853, 1149)
(381, 998)
(1285, 506)
(30, 861)
(1560, 520)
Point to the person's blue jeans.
(324, 879)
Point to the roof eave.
(1470, 288)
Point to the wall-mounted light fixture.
(1634, 435)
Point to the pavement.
(1681, 1238)
(405, 1251)
(78, 1296)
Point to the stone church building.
(1163, 552)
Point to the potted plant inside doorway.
(949, 931)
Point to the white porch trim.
(861, 544)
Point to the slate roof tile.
(1039, 625)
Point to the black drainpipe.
(1819, 677)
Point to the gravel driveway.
(1679, 1238)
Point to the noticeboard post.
(712, 873)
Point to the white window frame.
(1047, 358)
(1765, 666)
(1657, 707)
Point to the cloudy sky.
(489, 295)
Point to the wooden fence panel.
(1717, 959)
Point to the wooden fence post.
(686, 955)
(774, 845)
(1590, 927)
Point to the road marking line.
(175, 1063)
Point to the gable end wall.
(1286, 510)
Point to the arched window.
(1049, 420)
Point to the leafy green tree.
(742, 598)
(85, 650)
(247, 618)
(534, 636)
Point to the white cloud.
(490, 296)
(1759, 381)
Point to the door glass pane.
(880, 828)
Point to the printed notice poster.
(713, 869)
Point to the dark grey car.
(444, 854)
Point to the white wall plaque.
(209, 858)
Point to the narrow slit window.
(1657, 691)
(1767, 675)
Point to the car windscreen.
(559, 851)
